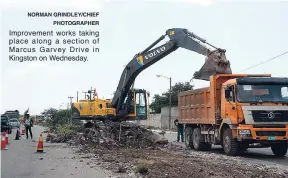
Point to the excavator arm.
(216, 62)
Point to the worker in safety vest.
(28, 125)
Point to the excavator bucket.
(215, 63)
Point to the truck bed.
(196, 106)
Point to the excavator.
(129, 103)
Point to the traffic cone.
(17, 135)
(3, 142)
(40, 147)
(6, 137)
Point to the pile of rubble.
(133, 151)
(128, 135)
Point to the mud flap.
(215, 63)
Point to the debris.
(142, 153)
(132, 136)
(215, 63)
(141, 169)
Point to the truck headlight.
(244, 132)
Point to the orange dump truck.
(237, 111)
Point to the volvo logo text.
(155, 52)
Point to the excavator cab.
(135, 104)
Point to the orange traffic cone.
(3, 142)
(6, 137)
(40, 147)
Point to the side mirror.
(227, 93)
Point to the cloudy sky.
(251, 32)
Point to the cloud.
(95, 4)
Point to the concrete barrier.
(161, 120)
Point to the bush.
(67, 129)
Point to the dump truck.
(130, 103)
(237, 111)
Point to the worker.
(180, 128)
(28, 125)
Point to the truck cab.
(237, 111)
(258, 108)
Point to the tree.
(161, 101)
(55, 117)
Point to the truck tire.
(279, 149)
(230, 145)
(198, 140)
(188, 137)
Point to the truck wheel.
(231, 146)
(198, 139)
(188, 137)
(279, 149)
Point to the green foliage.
(56, 117)
(66, 129)
(162, 101)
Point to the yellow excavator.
(129, 103)
(94, 108)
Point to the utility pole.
(77, 95)
(70, 97)
(170, 100)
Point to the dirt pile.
(141, 153)
(171, 163)
(128, 135)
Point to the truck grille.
(269, 126)
(270, 116)
(270, 133)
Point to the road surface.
(254, 154)
(58, 161)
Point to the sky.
(251, 32)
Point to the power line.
(265, 61)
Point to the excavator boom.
(215, 63)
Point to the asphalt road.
(262, 155)
(58, 161)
